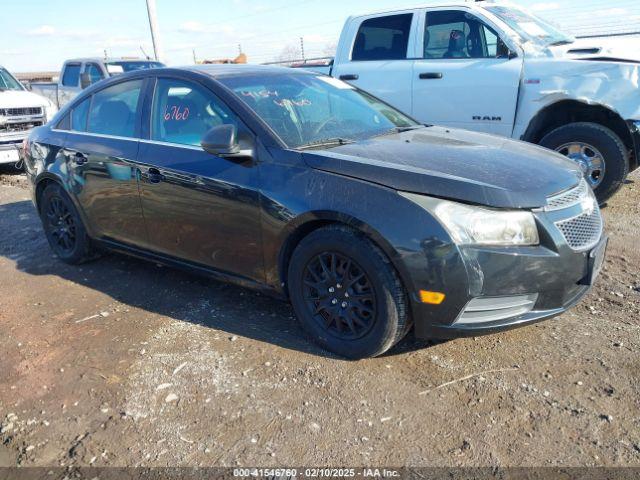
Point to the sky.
(38, 35)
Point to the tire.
(63, 227)
(601, 141)
(371, 313)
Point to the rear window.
(79, 115)
(71, 75)
(113, 110)
(383, 38)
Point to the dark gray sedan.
(305, 187)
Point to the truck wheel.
(346, 294)
(63, 226)
(600, 153)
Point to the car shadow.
(163, 290)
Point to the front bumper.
(507, 287)
(10, 149)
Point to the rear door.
(465, 77)
(380, 58)
(102, 149)
(197, 206)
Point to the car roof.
(235, 70)
(109, 59)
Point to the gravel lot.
(125, 363)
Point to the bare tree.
(329, 49)
(289, 53)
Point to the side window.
(183, 112)
(383, 38)
(455, 34)
(71, 75)
(79, 115)
(94, 72)
(64, 123)
(491, 40)
(114, 109)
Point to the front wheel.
(598, 151)
(346, 294)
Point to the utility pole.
(153, 25)
(302, 47)
(239, 49)
(194, 57)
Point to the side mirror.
(221, 140)
(85, 80)
(511, 54)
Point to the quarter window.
(183, 112)
(114, 109)
(454, 34)
(71, 75)
(79, 115)
(383, 38)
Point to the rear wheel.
(346, 294)
(63, 226)
(598, 151)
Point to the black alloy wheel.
(339, 295)
(61, 225)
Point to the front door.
(199, 207)
(465, 78)
(101, 151)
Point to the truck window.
(94, 72)
(456, 34)
(113, 110)
(383, 38)
(71, 75)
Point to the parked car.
(20, 111)
(305, 187)
(79, 73)
(495, 68)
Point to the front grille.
(582, 232)
(569, 198)
(18, 127)
(18, 112)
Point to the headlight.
(469, 225)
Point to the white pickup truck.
(20, 112)
(77, 74)
(495, 68)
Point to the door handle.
(80, 159)
(431, 76)
(349, 76)
(154, 175)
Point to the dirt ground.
(125, 363)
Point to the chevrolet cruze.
(307, 188)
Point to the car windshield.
(114, 68)
(315, 110)
(530, 28)
(8, 81)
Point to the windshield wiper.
(327, 142)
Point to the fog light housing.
(493, 309)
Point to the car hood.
(612, 49)
(21, 99)
(454, 164)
